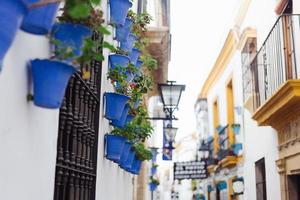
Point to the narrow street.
(149, 100)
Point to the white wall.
(261, 142)
(28, 134)
(219, 90)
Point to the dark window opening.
(260, 175)
(76, 162)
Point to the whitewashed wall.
(219, 90)
(28, 134)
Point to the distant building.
(253, 84)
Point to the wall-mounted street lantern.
(170, 133)
(170, 94)
(204, 150)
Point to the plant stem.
(43, 3)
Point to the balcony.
(226, 155)
(211, 164)
(275, 75)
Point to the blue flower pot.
(114, 105)
(114, 147)
(125, 154)
(118, 11)
(136, 166)
(122, 121)
(118, 60)
(154, 153)
(136, 104)
(12, 13)
(129, 43)
(71, 36)
(152, 186)
(129, 77)
(127, 165)
(129, 118)
(122, 32)
(40, 20)
(28, 2)
(134, 55)
(50, 79)
(138, 64)
(153, 170)
(236, 128)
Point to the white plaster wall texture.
(219, 90)
(28, 134)
(260, 142)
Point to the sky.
(198, 29)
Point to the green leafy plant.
(140, 22)
(154, 165)
(154, 180)
(142, 152)
(118, 77)
(138, 130)
(84, 12)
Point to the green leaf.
(109, 46)
(104, 30)
(96, 2)
(99, 57)
(80, 11)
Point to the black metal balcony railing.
(224, 150)
(211, 161)
(275, 62)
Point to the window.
(260, 175)
(230, 112)
(215, 125)
(76, 162)
(248, 53)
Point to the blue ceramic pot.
(118, 11)
(129, 43)
(12, 13)
(152, 186)
(136, 166)
(71, 36)
(127, 165)
(50, 79)
(118, 60)
(153, 170)
(154, 153)
(134, 55)
(122, 121)
(138, 64)
(125, 153)
(129, 77)
(236, 128)
(28, 2)
(129, 118)
(136, 104)
(39, 20)
(122, 32)
(114, 147)
(114, 105)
